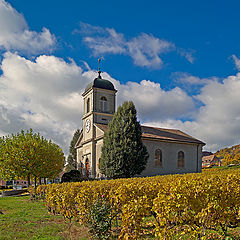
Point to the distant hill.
(229, 155)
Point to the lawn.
(24, 219)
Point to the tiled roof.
(210, 157)
(79, 140)
(168, 135)
(103, 127)
(173, 135)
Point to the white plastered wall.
(192, 158)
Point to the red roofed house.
(170, 151)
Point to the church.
(170, 151)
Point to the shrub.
(72, 176)
(99, 219)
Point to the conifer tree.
(123, 153)
(72, 157)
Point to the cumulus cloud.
(145, 49)
(45, 94)
(154, 103)
(15, 34)
(217, 121)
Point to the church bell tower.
(99, 99)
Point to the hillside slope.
(229, 155)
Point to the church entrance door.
(87, 167)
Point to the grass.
(226, 167)
(24, 219)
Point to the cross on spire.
(99, 71)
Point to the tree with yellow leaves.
(27, 155)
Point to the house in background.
(18, 182)
(210, 160)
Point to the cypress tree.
(123, 153)
(72, 157)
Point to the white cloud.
(236, 62)
(107, 41)
(217, 122)
(15, 35)
(187, 54)
(145, 49)
(152, 102)
(45, 94)
(186, 78)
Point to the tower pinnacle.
(99, 71)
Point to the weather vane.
(99, 71)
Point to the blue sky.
(177, 60)
(207, 29)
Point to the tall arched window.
(103, 104)
(88, 105)
(181, 159)
(158, 158)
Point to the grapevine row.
(165, 206)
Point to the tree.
(26, 154)
(72, 157)
(123, 153)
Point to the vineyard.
(161, 206)
(229, 155)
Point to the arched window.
(103, 104)
(158, 158)
(181, 159)
(88, 105)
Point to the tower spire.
(99, 71)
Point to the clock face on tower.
(88, 125)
